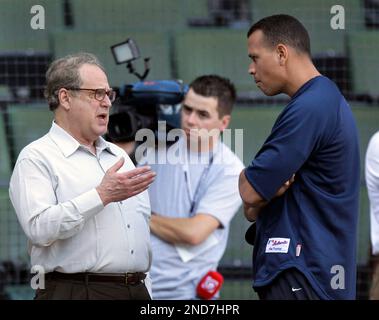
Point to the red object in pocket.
(209, 285)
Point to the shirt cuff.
(257, 189)
(88, 203)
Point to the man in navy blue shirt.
(302, 187)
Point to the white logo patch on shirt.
(277, 245)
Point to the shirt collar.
(68, 144)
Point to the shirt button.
(128, 225)
(132, 251)
(121, 202)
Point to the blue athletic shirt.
(313, 226)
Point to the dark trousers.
(374, 289)
(78, 290)
(290, 284)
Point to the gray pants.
(79, 290)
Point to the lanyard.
(197, 195)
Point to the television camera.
(144, 103)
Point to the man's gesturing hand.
(120, 186)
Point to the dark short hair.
(64, 72)
(217, 87)
(283, 28)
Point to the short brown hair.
(218, 87)
(64, 73)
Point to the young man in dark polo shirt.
(302, 187)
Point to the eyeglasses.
(99, 93)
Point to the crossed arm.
(196, 229)
(252, 200)
(192, 231)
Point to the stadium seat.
(238, 289)
(20, 292)
(127, 15)
(206, 51)
(366, 118)
(364, 62)
(29, 122)
(4, 155)
(363, 252)
(367, 122)
(256, 124)
(153, 45)
(15, 25)
(316, 16)
(13, 244)
(4, 199)
(195, 9)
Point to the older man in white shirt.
(79, 199)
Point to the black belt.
(125, 278)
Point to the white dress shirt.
(52, 189)
(372, 181)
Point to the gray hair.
(64, 73)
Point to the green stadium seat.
(316, 16)
(256, 124)
(238, 289)
(222, 52)
(367, 119)
(238, 252)
(127, 15)
(16, 31)
(20, 292)
(29, 122)
(151, 44)
(13, 243)
(4, 155)
(195, 9)
(364, 62)
(363, 253)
